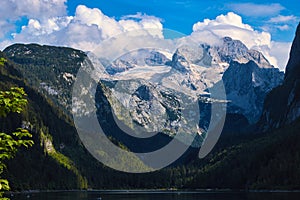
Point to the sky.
(268, 26)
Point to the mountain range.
(262, 113)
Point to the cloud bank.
(85, 30)
(12, 11)
(48, 23)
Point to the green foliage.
(2, 61)
(12, 101)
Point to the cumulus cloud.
(12, 11)
(232, 25)
(256, 10)
(94, 17)
(85, 30)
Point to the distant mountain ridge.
(247, 75)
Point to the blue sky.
(267, 26)
(180, 15)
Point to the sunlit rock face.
(149, 90)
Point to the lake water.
(157, 196)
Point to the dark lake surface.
(176, 195)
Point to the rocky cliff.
(282, 105)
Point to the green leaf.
(15, 101)
(4, 184)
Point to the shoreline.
(156, 191)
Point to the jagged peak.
(260, 59)
(235, 50)
(186, 55)
(228, 41)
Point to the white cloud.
(109, 26)
(281, 18)
(139, 15)
(12, 11)
(5, 28)
(256, 10)
(85, 30)
(231, 25)
(89, 27)
(283, 27)
(280, 50)
(281, 22)
(5, 43)
(229, 19)
(146, 22)
(206, 36)
(90, 17)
